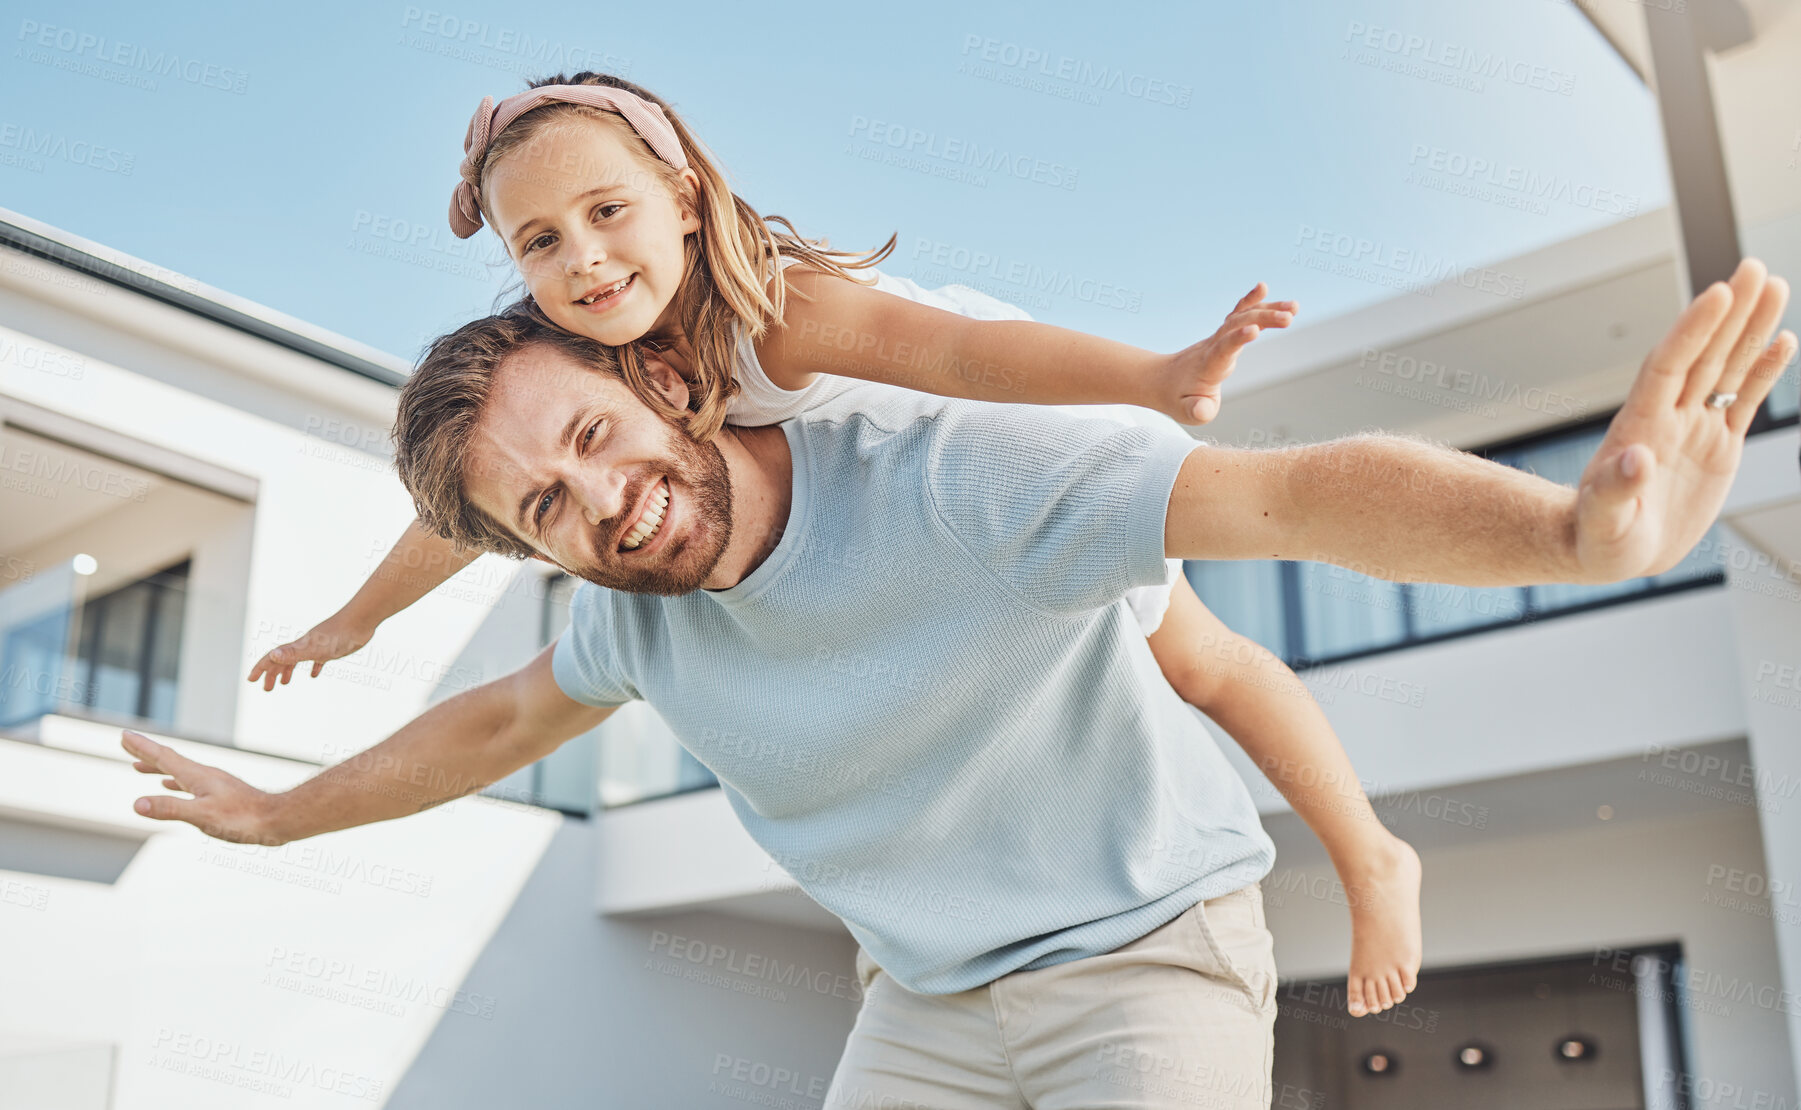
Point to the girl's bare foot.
(1383, 890)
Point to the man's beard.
(698, 476)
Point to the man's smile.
(646, 527)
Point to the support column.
(1691, 132)
(1766, 611)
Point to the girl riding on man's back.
(625, 232)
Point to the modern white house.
(1604, 783)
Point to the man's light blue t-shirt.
(929, 704)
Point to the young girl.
(625, 232)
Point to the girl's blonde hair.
(727, 264)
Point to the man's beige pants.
(1182, 1016)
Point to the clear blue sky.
(1302, 120)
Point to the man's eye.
(544, 502)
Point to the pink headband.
(491, 119)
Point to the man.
(889, 626)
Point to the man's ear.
(671, 386)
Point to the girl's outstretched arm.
(419, 563)
(836, 326)
(1274, 718)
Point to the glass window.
(1778, 242)
(164, 638)
(129, 648)
(1437, 609)
(112, 649)
(1344, 612)
(1785, 397)
(1246, 595)
(34, 658)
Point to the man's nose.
(600, 496)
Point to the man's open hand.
(1657, 481)
(1193, 377)
(223, 806)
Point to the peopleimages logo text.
(1076, 71)
(1457, 58)
(1050, 280)
(130, 56)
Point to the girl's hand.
(1192, 378)
(334, 638)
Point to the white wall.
(228, 974)
(647, 1011)
(1574, 689)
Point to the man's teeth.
(651, 520)
(607, 292)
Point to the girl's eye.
(535, 244)
(609, 209)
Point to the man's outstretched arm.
(454, 748)
(1406, 510)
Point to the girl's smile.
(581, 211)
(606, 296)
